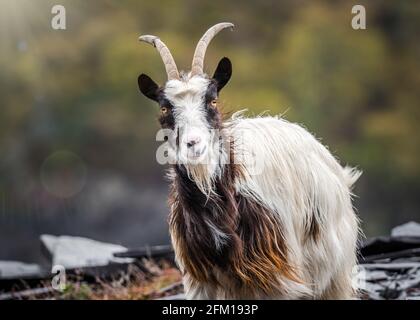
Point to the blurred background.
(77, 140)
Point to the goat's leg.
(340, 288)
(198, 291)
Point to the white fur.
(298, 176)
(290, 172)
(220, 238)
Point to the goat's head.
(188, 101)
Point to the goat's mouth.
(197, 152)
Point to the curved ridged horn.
(200, 50)
(165, 54)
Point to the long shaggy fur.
(267, 215)
(277, 223)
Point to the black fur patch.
(198, 234)
(213, 116)
(167, 120)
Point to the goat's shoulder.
(268, 125)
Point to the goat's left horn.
(165, 54)
(200, 50)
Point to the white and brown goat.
(282, 229)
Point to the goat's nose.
(193, 141)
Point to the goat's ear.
(148, 87)
(223, 73)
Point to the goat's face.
(189, 108)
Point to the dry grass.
(152, 281)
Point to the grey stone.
(409, 229)
(77, 252)
(16, 269)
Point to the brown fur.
(253, 254)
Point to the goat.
(285, 231)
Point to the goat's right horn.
(200, 50)
(165, 54)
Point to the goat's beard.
(205, 171)
(203, 176)
(207, 168)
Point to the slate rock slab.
(16, 269)
(78, 252)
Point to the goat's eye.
(164, 110)
(213, 103)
